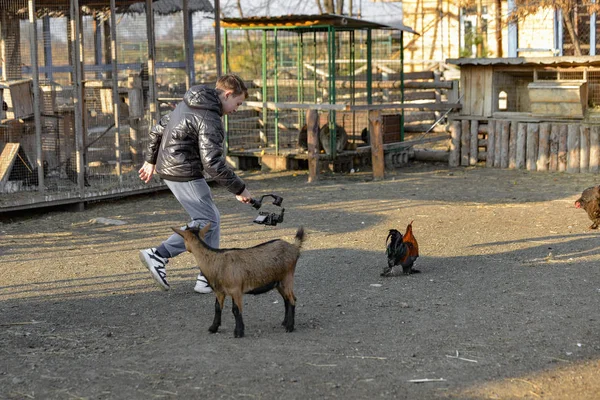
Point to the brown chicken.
(401, 250)
(590, 202)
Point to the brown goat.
(253, 270)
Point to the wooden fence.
(532, 145)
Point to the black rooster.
(401, 250)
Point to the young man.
(184, 145)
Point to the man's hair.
(232, 82)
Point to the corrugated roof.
(166, 7)
(61, 7)
(303, 20)
(529, 61)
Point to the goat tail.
(300, 236)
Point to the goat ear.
(203, 231)
(178, 231)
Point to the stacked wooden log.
(536, 146)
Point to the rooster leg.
(408, 269)
(594, 225)
(387, 271)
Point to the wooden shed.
(532, 113)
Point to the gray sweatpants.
(196, 198)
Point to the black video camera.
(266, 218)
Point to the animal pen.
(539, 114)
(81, 83)
(343, 67)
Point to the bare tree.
(569, 8)
(331, 6)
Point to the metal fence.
(296, 71)
(41, 92)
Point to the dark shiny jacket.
(189, 141)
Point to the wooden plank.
(512, 145)
(465, 142)
(348, 107)
(477, 92)
(504, 143)
(488, 101)
(491, 139)
(553, 157)
(465, 84)
(420, 95)
(418, 75)
(312, 124)
(521, 145)
(562, 110)
(498, 144)
(7, 160)
(562, 147)
(474, 142)
(455, 133)
(377, 154)
(543, 147)
(584, 145)
(573, 148)
(595, 149)
(532, 146)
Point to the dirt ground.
(506, 306)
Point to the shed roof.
(306, 21)
(61, 7)
(529, 61)
(165, 7)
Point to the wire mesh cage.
(81, 127)
(320, 64)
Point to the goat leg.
(289, 301)
(290, 311)
(286, 317)
(218, 309)
(239, 322)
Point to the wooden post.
(544, 147)
(115, 91)
(152, 89)
(531, 146)
(553, 158)
(512, 146)
(521, 145)
(465, 142)
(584, 157)
(376, 138)
(504, 143)
(474, 142)
(37, 113)
(595, 149)
(454, 157)
(573, 148)
(312, 126)
(136, 114)
(491, 143)
(498, 145)
(562, 147)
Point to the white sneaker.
(156, 266)
(202, 285)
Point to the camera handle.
(257, 203)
